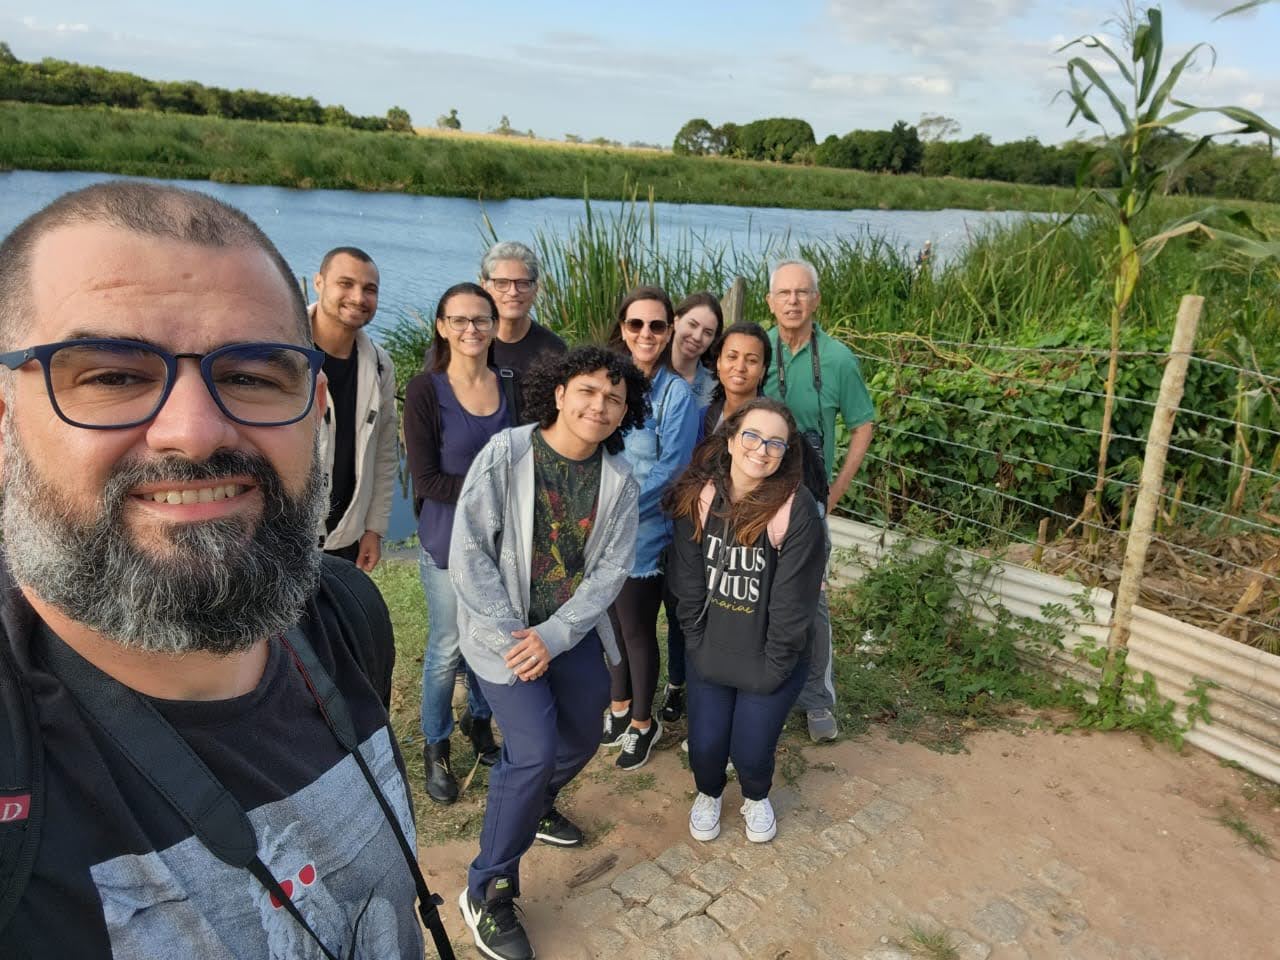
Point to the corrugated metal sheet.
(1244, 705)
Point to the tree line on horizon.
(1243, 170)
(63, 83)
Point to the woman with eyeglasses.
(657, 452)
(451, 410)
(746, 564)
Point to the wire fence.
(996, 446)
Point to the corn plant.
(1146, 109)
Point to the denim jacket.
(658, 453)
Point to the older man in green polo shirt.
(817, 377)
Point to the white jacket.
(377, 447)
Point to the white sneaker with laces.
(762, 825)
(704, 818)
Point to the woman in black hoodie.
(747, 562)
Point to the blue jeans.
(441, 658)
(550, 729)
(727, 724)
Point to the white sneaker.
(762, 825)
(704, 818)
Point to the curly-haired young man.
(543, 538)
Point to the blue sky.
(638, 71)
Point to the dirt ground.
(1031, 844)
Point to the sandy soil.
(1107, 846)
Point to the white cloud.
(72, 28)
(935, 86)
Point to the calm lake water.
(422, 245)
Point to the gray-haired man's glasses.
(113, 384)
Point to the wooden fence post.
(734, 301)
(1152, 480)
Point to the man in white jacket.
(358, 442)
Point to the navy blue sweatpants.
(550, 729)
(726, 723)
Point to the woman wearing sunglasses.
(746, 564)
(451, 410)
(657, 452)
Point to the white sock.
(619, 714)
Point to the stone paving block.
(678, 901)
(733, 911)
(1036, 897)
(763, 941)
(830, 950)
(604, 941)
(966, 947)
(806, 821)
(1067, 926)
(785, 800)
(801, 859)
(878, 816)
(640, 883)
(596, 907)
(840, 838)
(797, 906)
(1061, 876)
(763, 884)
(887, 953)
(752, 856)
(696, 934)
(715, 876)
(1000, 920)
(723, 950)
(677, 860)
(642, 922)
(857, 792)
(909, 791)
(893, 848)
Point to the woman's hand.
(529, 658)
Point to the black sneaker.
(637, 745)
(615, 728)
(495, 925)
(480, 733)
(672, 704)
(556, 828)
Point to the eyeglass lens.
(635, 325)
(108, 385)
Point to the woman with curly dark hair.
(658, 451)
(745, 566)
(543, 539)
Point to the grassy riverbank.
(141, 143)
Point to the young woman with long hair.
(746, 565)
(657, 451)
(451, 410)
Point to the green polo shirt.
(843, 389)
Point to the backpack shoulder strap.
(21, 784)
(779, 522)
(363, 621)
(510, 387)
(705, 498)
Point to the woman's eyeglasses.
(635, 325)
(459, 324)
(752, 441)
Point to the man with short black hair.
(359, 444)
(543, 538)
(194, 692)
(817, 377)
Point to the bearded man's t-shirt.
(118, 873)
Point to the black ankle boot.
(480, 733)
(442, 786)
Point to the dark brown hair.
(749, 516)
(703, 298)
(615, 341)
(438, 352)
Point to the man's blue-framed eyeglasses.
(112, 384)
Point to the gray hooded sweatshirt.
(491, 559)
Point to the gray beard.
(218, 587)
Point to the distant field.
(37, 137)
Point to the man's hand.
(370, 551)
(529, 658)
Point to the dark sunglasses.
(635, 325)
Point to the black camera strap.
(817, 369)
(167, 762)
